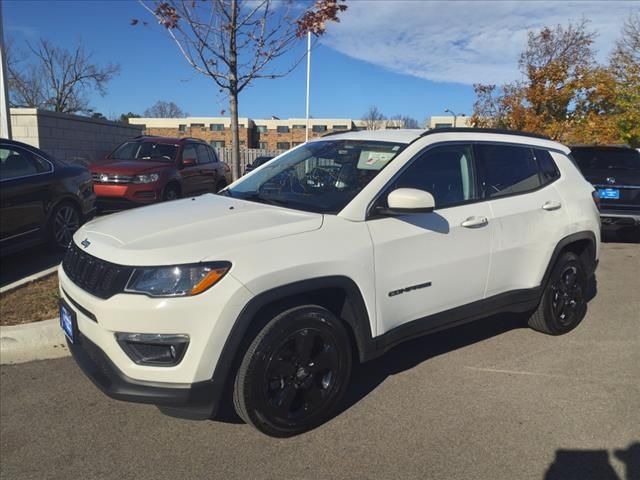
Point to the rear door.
(208, 171)
(191, 178)
(426, 263)
(25, 190)
(529, 217)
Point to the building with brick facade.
(271, 134)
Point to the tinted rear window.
(606, 158)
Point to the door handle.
(549, 206)
(475, 222)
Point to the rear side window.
(189, 152)
(548, 168)
(447, 172)
(203, 154)
(508, 170)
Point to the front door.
(427, 263)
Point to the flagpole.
(308, 82)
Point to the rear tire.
(563, 304)
(294, 373)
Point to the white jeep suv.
(332, 252)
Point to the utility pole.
(5, 114)
(306, 138)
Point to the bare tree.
(234, 42)
(162, 109)
(402, 121)
(373, 118)
(56, 79)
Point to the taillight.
(596, 199)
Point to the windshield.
(320, 176)
(158, 152)
(607, 158)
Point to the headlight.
(146, 178)
(176, 281)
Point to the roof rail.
(482, 130)
(337, 132)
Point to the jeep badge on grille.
(85, 243)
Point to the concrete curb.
(32, 341)
(30, 278)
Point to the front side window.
(157, 152)
(321, 176)
(508, 170)
(446, 172)
(189, 152)
(17, 162)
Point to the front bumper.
(199, 399)
(128, 194)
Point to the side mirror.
(188, 162)
(408, 200)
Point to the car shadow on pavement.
(366, 377)
(593, 464)
(22, 264)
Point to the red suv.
(152, 169)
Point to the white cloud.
(463, 42)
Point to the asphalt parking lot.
(488, 400)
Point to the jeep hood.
(190, 230)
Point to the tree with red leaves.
(235, 42)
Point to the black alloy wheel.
(294, 373)
(64, 223)
(563, 304)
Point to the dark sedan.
(41, 199)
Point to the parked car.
(274, 286)
(615, 172)
(150, 169)
(42, 199)
(256, 163)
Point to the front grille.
(111, 178)
(100, 278)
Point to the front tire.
(294, 373)
(171, 192)
(563, 304)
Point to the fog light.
(153, 349)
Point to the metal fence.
(247, 155)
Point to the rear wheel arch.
(583, 244)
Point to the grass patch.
(33, 302)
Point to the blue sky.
(412, 58)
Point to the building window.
(319, 128)
(282, 129)
(242, 142)
(216, 127)
(241, 125)
(299, 127)
(261, 128)
(197, 125)
(182, 128)
(263, 145)
(283, 145)
(217, 143)
(340, 127)
(443, 125)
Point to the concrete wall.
(69, 137)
